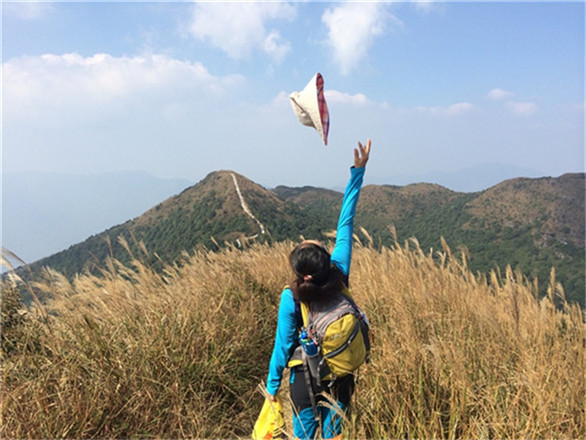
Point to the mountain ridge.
(532, 224)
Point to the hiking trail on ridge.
(245, 207)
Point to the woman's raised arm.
(342, 254)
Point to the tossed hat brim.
(310, 106)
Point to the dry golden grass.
(133, 353)
(457, 356)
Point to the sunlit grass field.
(136, 353)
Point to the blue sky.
(180, 89)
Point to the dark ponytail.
(316, 278)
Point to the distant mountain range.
(471, 179)
(531, 224)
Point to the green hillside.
(530, 224)
(206, 215)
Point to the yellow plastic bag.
(270, 422)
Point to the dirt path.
(245, 206)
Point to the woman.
(317, 274)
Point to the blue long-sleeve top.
(341, 256)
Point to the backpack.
(341, 332)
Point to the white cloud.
(89, 114)
(460, 108)
(81, 82)
(579, 107)
(451, 110)
(517, 108)
(239, 29)
(427, 6)
(499, 94)
(352, 28)
(27, 11)
(334, 96)
(521, 108)
(275, 48)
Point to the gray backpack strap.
(307, 375)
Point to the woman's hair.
(316, 277)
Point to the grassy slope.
(131, 353)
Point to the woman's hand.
(361, 157)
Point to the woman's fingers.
(361, 157)
(367, 148)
